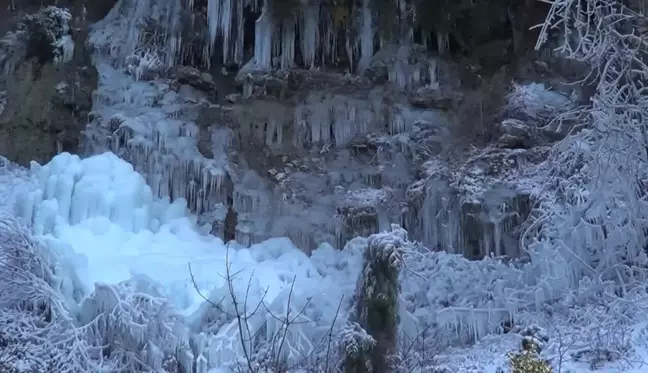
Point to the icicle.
(366, 37)
(226, 27)
(213, 22)
(434, 73)
(443, 42)
(186, 361)
(239, 43)
(309, 33)
(154, 356)
(263, 40)
(288, 36)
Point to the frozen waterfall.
(112, 236)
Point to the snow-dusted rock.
(49, 79)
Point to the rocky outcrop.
(48, 80)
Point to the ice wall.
(151, 122)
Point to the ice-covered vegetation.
(44, 35)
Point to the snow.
(104, 225)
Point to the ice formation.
(137, 28)
(152, 126)
(116, 243)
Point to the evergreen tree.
(378, 292)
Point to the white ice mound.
(101, 220)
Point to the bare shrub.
(420, 353)
(271, 353)
(479, 112)
(606, 338)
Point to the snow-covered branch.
(594, 212)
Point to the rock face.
(313, 154)
(47, 81)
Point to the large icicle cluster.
(151, 125)
(314, 33)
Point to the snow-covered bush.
(44, 35)
(593, 216)
(12, 353)
(356, 349)
(32, 311)
(25, 272)
(133, 323)
(536, 102)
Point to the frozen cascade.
(168, 171)
(72, 193)
(97, 214)
(125, 33)
(336, 119)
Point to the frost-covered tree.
(134, 323)
(25, 272)
(592, 234)
(377, 307)
(44, 35)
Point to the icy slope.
(101, 219)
